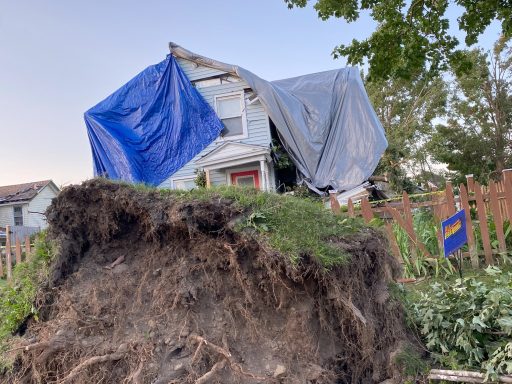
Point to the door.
(246, 179)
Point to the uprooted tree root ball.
(155, 289)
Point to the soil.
(151, 289)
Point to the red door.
(246, 179)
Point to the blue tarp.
(150, 127)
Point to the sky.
(58, 58)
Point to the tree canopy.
(412, 37)
(477, 136)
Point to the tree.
(406, 109)
(412, 37)
(477, 136)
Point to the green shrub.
(468, 324)
(17, 297)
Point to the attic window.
(230, 110)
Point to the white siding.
(257, 121)
(38, 206)
(7, 214)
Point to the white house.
(25, 204)
(241, 154)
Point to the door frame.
(253, 172)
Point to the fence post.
(464, 202)
(8, 260)
(482, 218)
(27, 248)
(366, 210)
(350, 206)
(498, 219)
(335, 204)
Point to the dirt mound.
(153, 289)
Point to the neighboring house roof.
(23, 192)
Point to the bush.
(17, 297)
(468, 324)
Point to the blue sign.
(454, 233)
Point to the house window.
(230, 110)
(246, 179)
(18, 215)
(184, 184)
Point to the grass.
(294, 226)
(17, 296)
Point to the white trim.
(253, 153)
(184, 178)
(245, 133)
(242, 169)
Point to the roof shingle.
(21, 192)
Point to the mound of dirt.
(151, 289)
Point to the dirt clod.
(193, 301)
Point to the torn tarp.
(151, 127)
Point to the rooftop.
(21, 192)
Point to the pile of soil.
(152, 289)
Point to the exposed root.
(224, 352)
(211, 373)
(118, 355)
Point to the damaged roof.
(21, 192)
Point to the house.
(241, 154)
(191, 113)
(24, 205)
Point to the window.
(185, 184)
(230, 110)
(18, 215)
(246, 179)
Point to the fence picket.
(450, 200)
(350, 206)
(335, 205)
(27, 248)
(395, 250)
(409, 223)
(464, 202)
(496, 214)
(8, 259)
(18, 251)
(507, 181)
(366, 210)
(412, 235)
(482, 218)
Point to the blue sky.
(58, 58)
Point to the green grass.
(17, 296)
(294, 226)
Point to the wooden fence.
(14, 252)
(492, 204)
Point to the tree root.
(118, 355)
(227, 357)
(211, 373)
